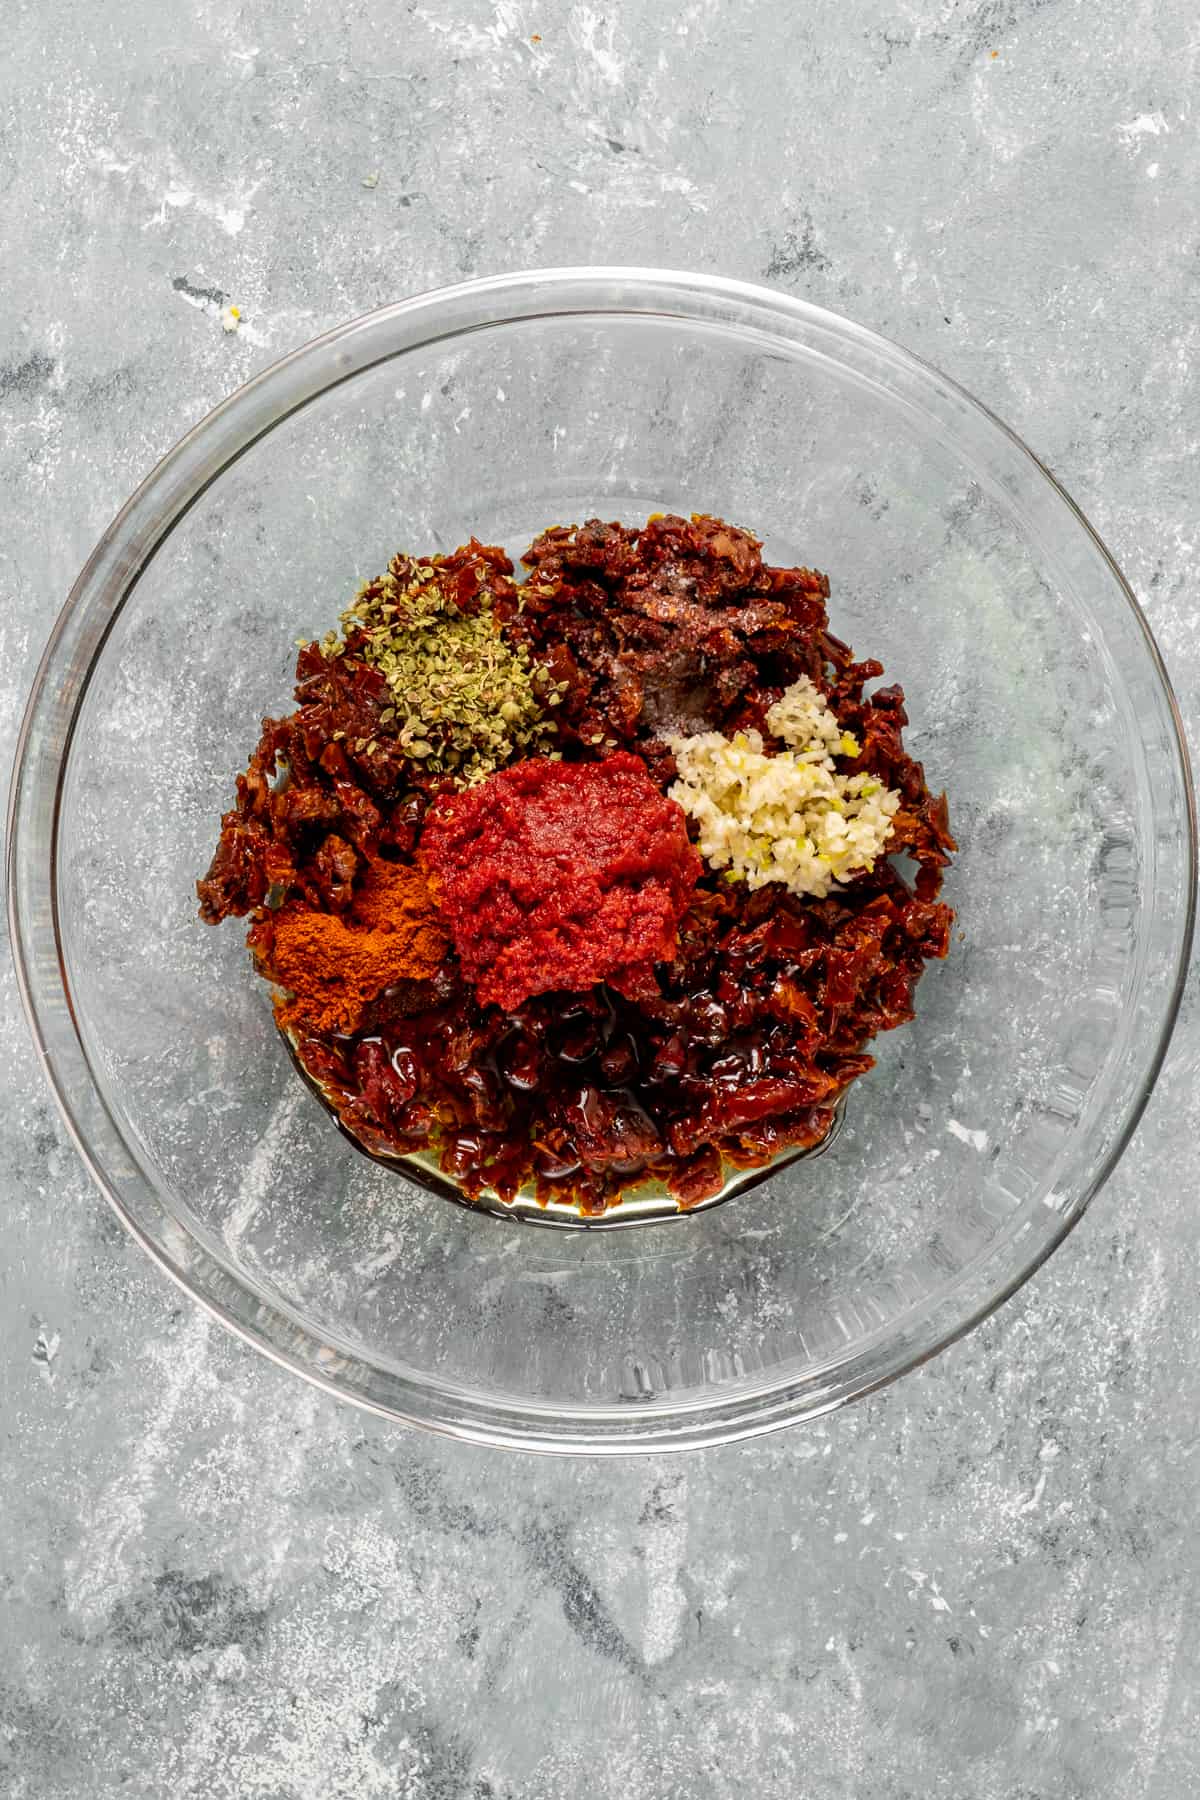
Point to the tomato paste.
(555, 876)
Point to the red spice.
(334, 965)
(554, 876)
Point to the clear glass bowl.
(1037, 699)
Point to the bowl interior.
(1033, 700)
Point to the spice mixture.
(587, 878)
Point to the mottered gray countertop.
(217, 1583)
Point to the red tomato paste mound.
(554, 876)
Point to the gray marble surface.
(214, 1582)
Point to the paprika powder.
(334, 964)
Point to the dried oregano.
(464, 702)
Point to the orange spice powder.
(332, 965)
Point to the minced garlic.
(791, 817)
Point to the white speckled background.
(218, 1584)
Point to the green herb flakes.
(463, 701)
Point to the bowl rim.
(109, 576)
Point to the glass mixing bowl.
(1037, 699)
